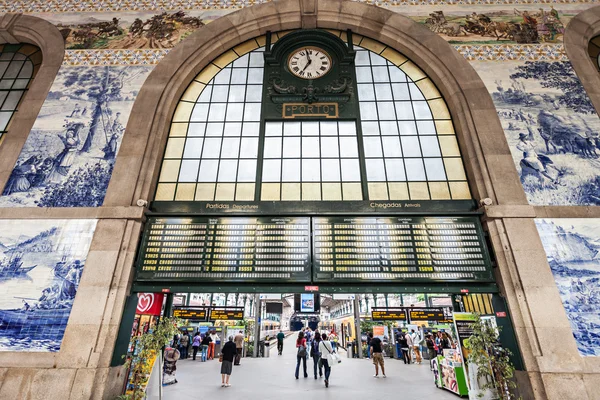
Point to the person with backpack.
(404, 347)
(316, 355)
(301, 354)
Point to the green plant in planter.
(148, 345)
(491, 360)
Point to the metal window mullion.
(361, 149)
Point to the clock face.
(309, 63)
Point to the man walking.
(280, 337)
(239, 346)
(377, 354)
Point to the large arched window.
(401, 146)
(18, 65)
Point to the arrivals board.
(392, 249)
(190, 313)
(226, 250)
(426, 314)
(226, 314)
(388, 314)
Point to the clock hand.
(307, 56)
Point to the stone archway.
(478, 127)
(19, 28)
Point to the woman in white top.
(325, 349)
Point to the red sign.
(501, 314)
(149, 303)
(166, 290)
(311, 288)
(464, 290)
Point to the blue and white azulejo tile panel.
(68, 158)
(572, 247)
(41, 262)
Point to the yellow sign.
(303, 110)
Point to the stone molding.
(19, 28)
(579, 32)
(485, 151)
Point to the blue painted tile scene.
(69, 155)
(41, 262)
(573, 250)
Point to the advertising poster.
(379, 331)
(234, 330)
(307, 302)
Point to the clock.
(309, 62)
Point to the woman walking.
(196, 345)
(301, 354)
(325, 349)
(205, 344)
(315, 354)
(228, 352)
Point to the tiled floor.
(273, 378)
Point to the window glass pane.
(291, 129)
(13, 70)
(310, 147)
(415, 93)
(247, 171)
(200, 113)
(252, 112)
(273, 128)
(291, 171)
(12, 100)
(272, 147)
(3, 67)
(233, 129)
(6, 83)
(435, 169)
(208, 171)
(222, 77)
(214, 129)
(380, 74)
(383, 91)
(400, 91)
(254, 93)
(330, 170)
(414, 169)
(395, 170)
(375, 170)
(310, 129)
(350, 170)
(372, 146)
(396, 74)
(348, 147)
(426, 128)
(362, 58)
(236, 93)
(370, 128)
(189, 170)
(217, 112)
(347, 128)
(4, 118)
(376, 59)
(407, 127)
(363, 75)
(386, 110)
(238, 76)
(404, 110)
(257, 60)
(366, 92)
(329, 128)
(249, 148)
(291, 147)
(20, 83)
(410, 146)
(219, 94)
(271, 170)
(250, 129)
(205, 95)
(255, 75)
(389, 127)
(196, 129)
(430, 146)
(227, 170)
(242, 61)
(27, 70)
(391, 146)
(193, 148)
(311, 171)
(368, 111)
(231, 147)
(212, 148)
(329, 147)
(235, 111)
(422, 110)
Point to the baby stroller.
(169, 368)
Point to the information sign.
(426, 314)
(232, 314)
(391, 249)
(198, 314)
(388, 314)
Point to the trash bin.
(349, 352)
(267, 349)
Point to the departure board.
(226, 314)
(226, 250)
(190, 313)
(426, 314)
(388, 314)
(391, 249)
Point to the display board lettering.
(303, 110)
(390, 249)
(426, 314)
(198, 314)
(226, 314)
(388, 314)
(225, 249)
